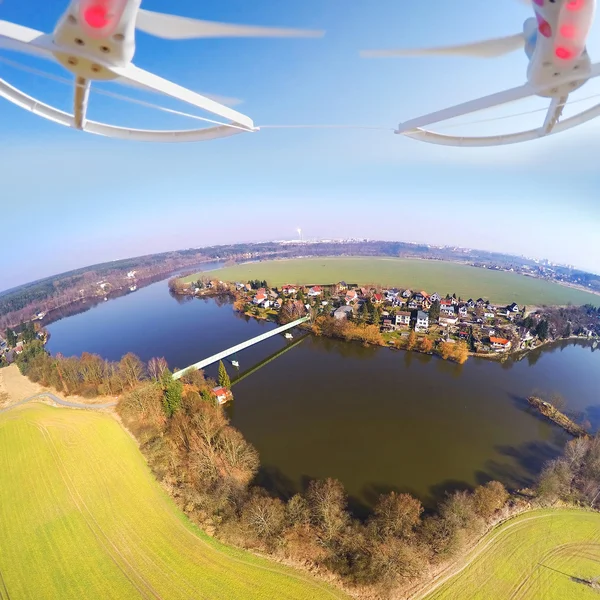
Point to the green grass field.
(81, 516)
(533, 557)
(431, 276)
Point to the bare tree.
(327, 501)
(132, 369)
(265, 516)
(156, 368)
(396, 515)
(489, 498)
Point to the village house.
(435, 297)
(447, 307)
(377, 298)
(392, 294)
(351, 296)
(422, 323)
(261, 298)
(470, 303)
(499, 344)
(513, 308)
(489, 315)
(221, 394)
(315, 291)
(289, 290)
(388, 325)
(407, 293)
(343, 313)
(403, 319)
(413, 304)
(419, 298)
(446, 320)
(342, 286)
(480, 302)
(462, 311)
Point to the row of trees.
(88, 375)
(561, 322)
(21, 304)
(208, 468)
(575, 476)
(347, 330)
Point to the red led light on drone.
(96, 16)
(101, 17)
(568, 31)
(563, 53)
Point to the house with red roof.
(222, 395)
(261, 297)
(499, 343)
(351, 296)
(317, 290)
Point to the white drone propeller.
(485, 49)
(490, 48)
(95, 41)
(171, 27)
(554, 40)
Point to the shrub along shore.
(208, 467)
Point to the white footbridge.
(261, 338)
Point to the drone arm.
(136, 76)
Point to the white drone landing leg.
(80, 104)
(554, 113)
(414, 128)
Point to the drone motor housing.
(99, 32)
(560, 51)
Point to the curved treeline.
(209, 468)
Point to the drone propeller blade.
(139, 77)
(23, 39)
(220, 99)
(172, 27)
(484, 49)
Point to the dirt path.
(461, 565)
(16, 389)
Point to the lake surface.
(376, 419)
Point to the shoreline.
(226, 288)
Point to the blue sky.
(72, 199)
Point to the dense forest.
(210, 470)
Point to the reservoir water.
(376, 419)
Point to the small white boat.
(235, 363)
(289, 336)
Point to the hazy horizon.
(72, 199)
(291, 239)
